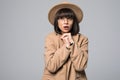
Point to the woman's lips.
(66, 27)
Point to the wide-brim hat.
(78, 12)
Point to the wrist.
(71, 43)
(68, 46)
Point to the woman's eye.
(61, 17)
(70, 18)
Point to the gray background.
(24, 25)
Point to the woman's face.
(65, 24)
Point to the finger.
(66, 41)
(64, 35)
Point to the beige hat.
(78, 12)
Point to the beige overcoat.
(62, 63)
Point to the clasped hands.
(67, 39)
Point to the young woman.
(66, 50)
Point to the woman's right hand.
(67, 39)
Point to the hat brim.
(78, 12)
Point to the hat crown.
(78, 12)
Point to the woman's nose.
(65, 20)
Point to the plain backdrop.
(24, 25)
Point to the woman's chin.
(65, 31)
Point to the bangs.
(65, 12)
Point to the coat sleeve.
(54, 58)
(79, 56)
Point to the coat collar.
(75, 37)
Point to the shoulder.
(51, 35)
(83, 38)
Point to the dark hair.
(68, 13)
